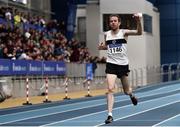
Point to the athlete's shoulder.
(123, 30)
(107, 32)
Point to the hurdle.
(27, 93)
(88, 88)
(46, 91)
(66, 89)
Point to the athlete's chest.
(111, 36)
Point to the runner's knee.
(110, 91)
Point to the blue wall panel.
(169, 43)
(169, 57)
(178, 11)
(178, 27)
(160, 2)
(170, 30)
(168, 27)
(167, 11)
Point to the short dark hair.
(115, 15)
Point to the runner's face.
(114, 23)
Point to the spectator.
(25, 56)
(36, 38)
(8, 15)
(17, 19)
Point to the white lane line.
(141, 112)
(106, 111)
(71, 109)
(99, 100)
(20, 107)
(53, 107)
(166, 120)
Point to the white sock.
(110, 114)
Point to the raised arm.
(138, 30)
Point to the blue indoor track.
(159, 105)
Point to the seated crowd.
(33, 38)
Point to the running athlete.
(117, 64)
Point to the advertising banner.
(71, 20)
(29, 67)
(89, 71)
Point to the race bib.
(115, 48)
